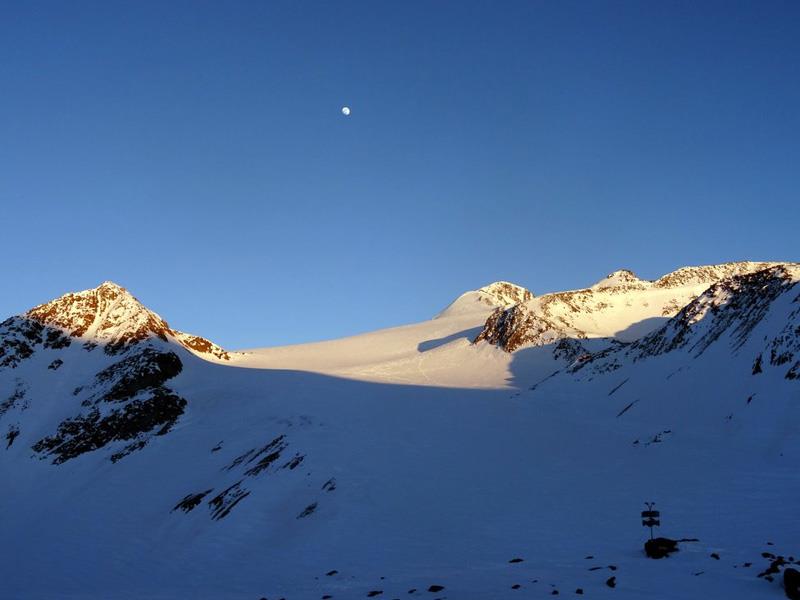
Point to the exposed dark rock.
(660, 547)
(516, 560)
(272, 450)
(374, 593)
(201, 345)
(714, 555)
(736, 305)
(190, 501)
(308, 510)
(436, 588)
(55, 364)
(132, 447)
(627, 407)
(791, 583)
(148, 368)
(222, 504)
(16, 399)
(611, 582)
(332, 573)
(329, 485)
(11, 435)
(774, 567)
(294, 462)
(158, 410)
(20, 336)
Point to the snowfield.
(142, 462)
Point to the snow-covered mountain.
(500, 450)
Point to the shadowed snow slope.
(140, 466)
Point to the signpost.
(651, 518)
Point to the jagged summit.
(506, 293)
(707, 274)
(109, 315)
(500, 294)
(111, 287)
(621, 278)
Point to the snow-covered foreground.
(411, 457)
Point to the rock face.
(734, 305)
(620, 308)
(505, 294)
(729, 309)
(106, 315)
(660, 547)
(791, 583)
(20, 337)
(109, 316)
(518, 326)
(709, 274)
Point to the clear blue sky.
(195, 152)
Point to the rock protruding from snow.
(107, 315)
(504, 293)
(766, 302)
(710, 273)
(500, 294)
(201, 345)
(127, 402)
(519, 326)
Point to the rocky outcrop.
(127, 402)
(500, 294)
(729, 310)
(710, 273)
(107, 316)
(734, 306)
(127, 399)
(20, 337)
(517, 326)
(506, 294)
(201, 345)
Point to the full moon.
(346, 111)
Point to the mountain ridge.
(278, 472)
